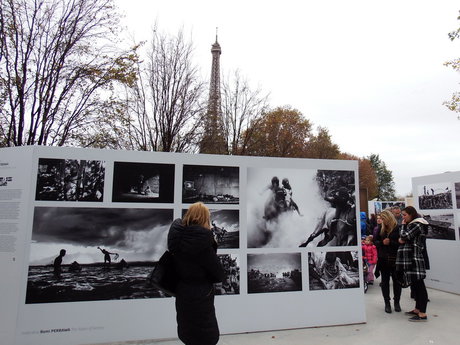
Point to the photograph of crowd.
(88, 254)
(70, 180)
(296, 208)
(457, 193)
(333, 270)
(440, 227)
(274, 272)
(143, 182)
(435, 196)
(231, 284)
(211, 184)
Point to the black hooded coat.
(198, 268)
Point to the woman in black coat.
(192, 244)
(387, 243)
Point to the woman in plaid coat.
(410, 259)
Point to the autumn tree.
(321, 146)
(282, 132)
(242, 109)
(166, 102)
(454, 103)
(385, 183)
(58, 64)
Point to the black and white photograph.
(70, 180)
(274, 272)
(143, 182)
(440, 227)
(379, 206)
(225, 226)
(231, 284)
(290, 208)
(435, 196)
(333, 270)
(457, 193)
(89, 254)
(211, 184)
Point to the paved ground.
(381, 328)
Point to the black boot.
(387, 307)
(397, 306)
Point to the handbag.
(163, 276)
(403, 279)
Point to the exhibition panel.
(91, 224)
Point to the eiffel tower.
(214, 141)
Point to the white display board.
(437, 198)
(96, 204)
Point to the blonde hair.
(389, 222)
(197, 214)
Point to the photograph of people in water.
(88, 254)
(274, 272)
(143, 182)
(289, 208)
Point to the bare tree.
(165, 104)
(242, 108)
(58, 62)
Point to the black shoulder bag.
(163, 276)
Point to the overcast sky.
(370, 71)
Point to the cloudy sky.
(370, 71)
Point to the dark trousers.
(420, 294)
(387, 272)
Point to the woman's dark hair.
(411, 211)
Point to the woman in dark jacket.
(411, 259)
(192, 244)
(387, 243)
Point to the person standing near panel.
(387, 243)
(411, 259)
(194, 248)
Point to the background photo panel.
(108, 253)
(436, 198)
(289, 208)
(211, 184)
(143, 182)
(457, 194)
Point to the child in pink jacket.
(370, 255)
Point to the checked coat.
(409, 258)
